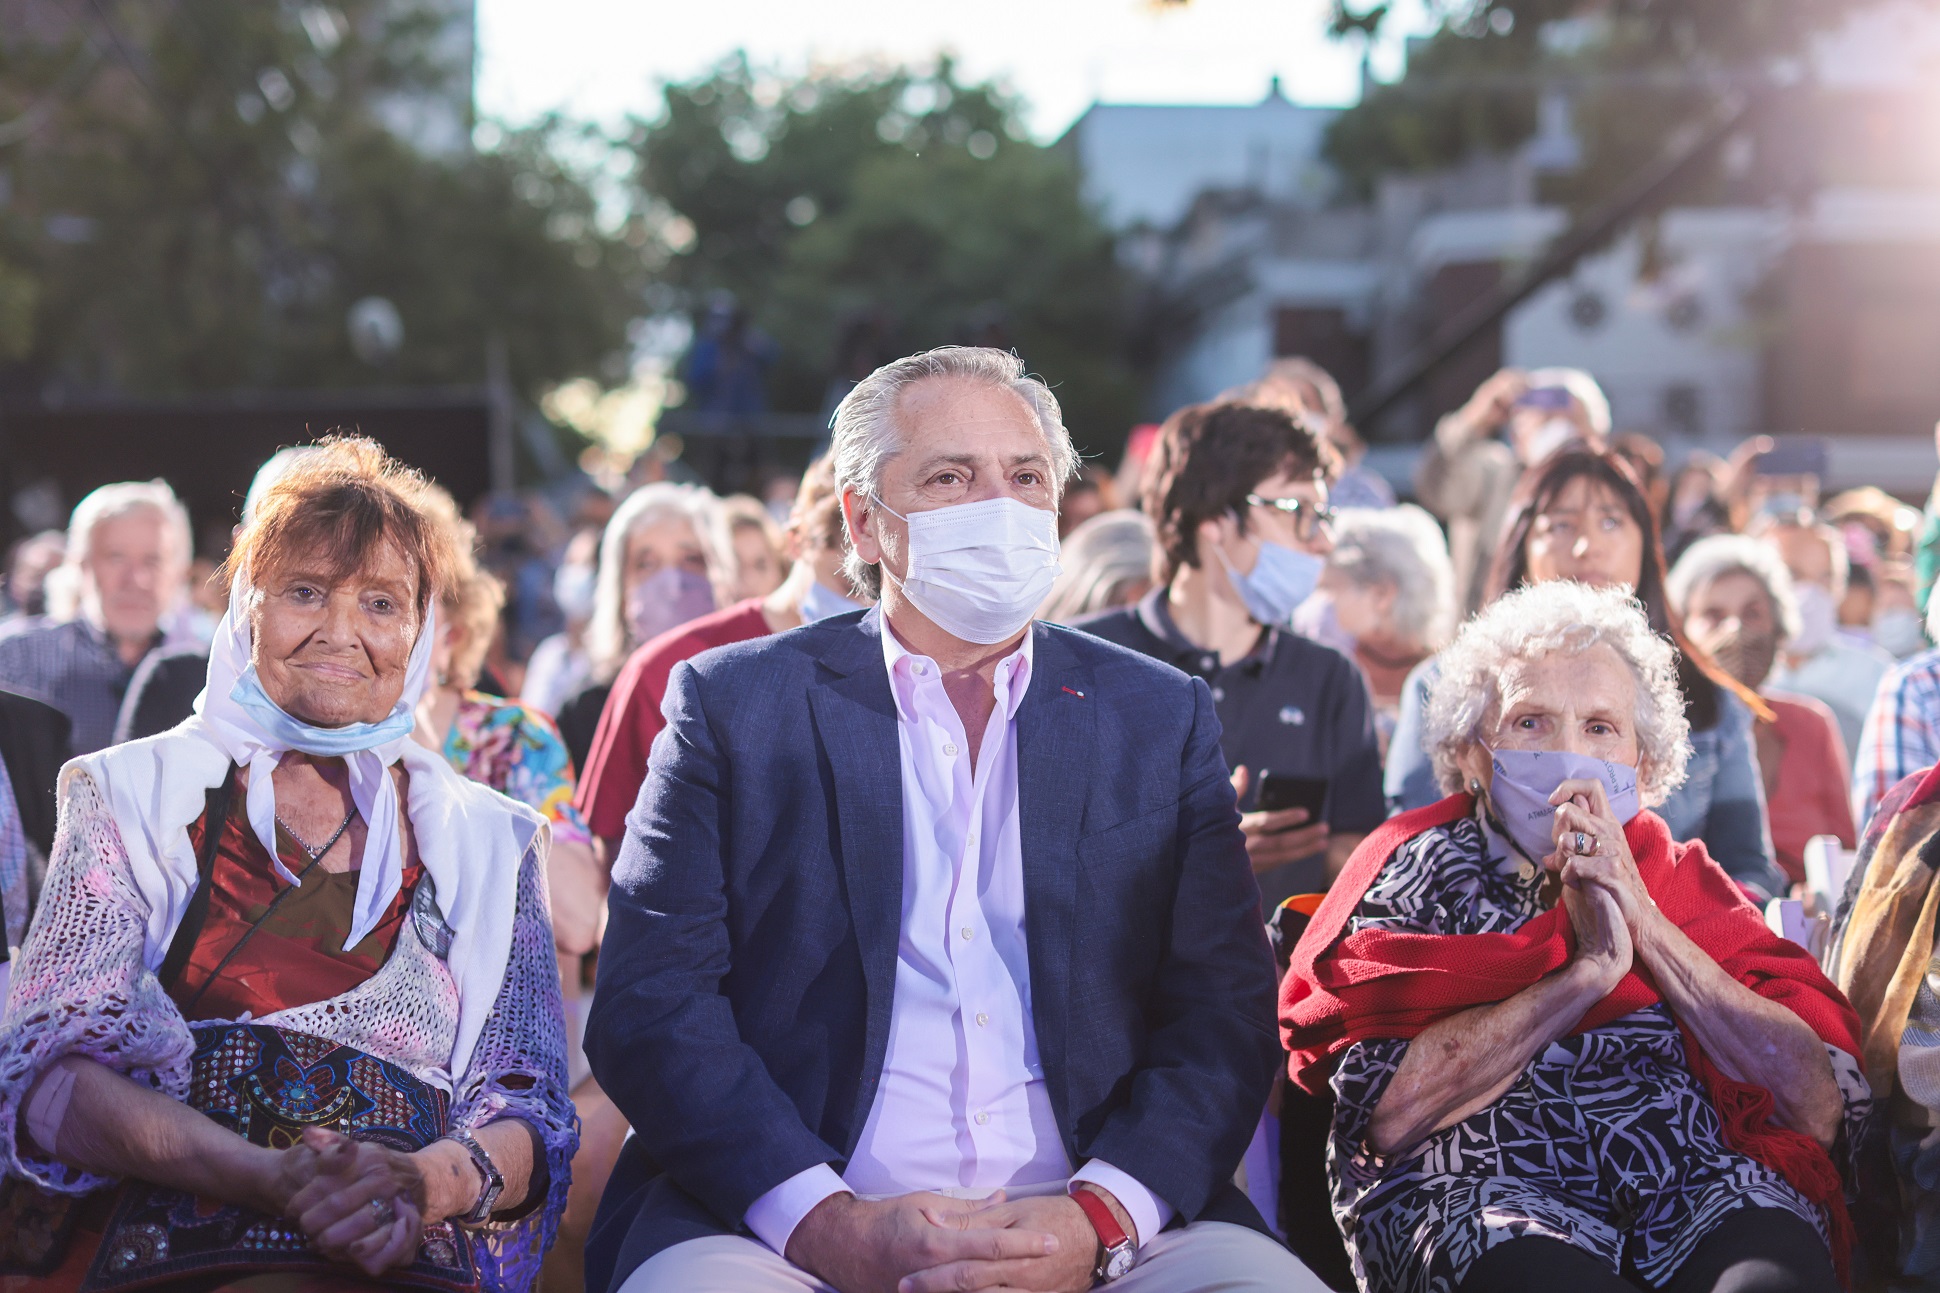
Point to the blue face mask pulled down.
(323, 742)
(1525, 779)
(1282, 578)
(821, 601)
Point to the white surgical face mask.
(1897, 629)
(979, 570)
(1818, 620)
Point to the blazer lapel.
(855, 717)
(1055, 735)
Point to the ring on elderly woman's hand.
(1585, 844)
(384, 1210)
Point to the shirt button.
(950, 749)
(983, 1020)
(921, 669)
(982, 1117)
(1219, 693)
(968, 933)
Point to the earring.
(1475, 785)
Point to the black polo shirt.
(1291, 706)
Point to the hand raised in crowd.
(1275, 839)
(1067, 1269)
(868, 1246)
(364, 1204)
(1490, 406)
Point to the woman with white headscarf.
(292, 983)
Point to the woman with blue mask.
(1581, 516)
(1238, 496)
(1564, 1051)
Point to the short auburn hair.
(1209, 457)
(339, 506)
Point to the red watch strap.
(1110, 1233)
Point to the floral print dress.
(516, 750)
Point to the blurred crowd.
(1244, 541)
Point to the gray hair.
(1560, 617)
(864, 434)
(111, 502)
(607, 640)
(1717, 555)
(1102, 558)
(1402, 547)
(1582, 387)
(274, 468)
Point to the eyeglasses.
(1308, 518)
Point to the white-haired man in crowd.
(128, 549)
(1470, 468)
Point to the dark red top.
(617, 763)
(298, 956)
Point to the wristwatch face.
(1118, 1261)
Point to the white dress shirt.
(962, 1106)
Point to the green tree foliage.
(1634, 72)
(198, 193)
(901, 194)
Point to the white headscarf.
(250, 741)
(471, 840)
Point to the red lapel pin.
(1069, 692)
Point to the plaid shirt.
(73, 667)
(1902, 733)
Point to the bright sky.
(603, 59)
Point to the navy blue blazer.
(745, 980)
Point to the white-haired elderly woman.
(1565, 1050)
(291, 988)
(658, 569)
(1386, 598)
(1735, 598)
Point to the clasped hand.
(328, 1184)
(927, 1243)
(1609, 908)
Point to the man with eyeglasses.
(1238, 494)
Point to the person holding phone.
(1239, 495)
(1470, 468)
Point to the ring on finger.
(384, 1211)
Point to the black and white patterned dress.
(1608, 1141)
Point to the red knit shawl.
(1381, 984)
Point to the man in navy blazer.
(934, 958)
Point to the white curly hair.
(1560, 617)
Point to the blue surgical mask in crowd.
(1897, 630)
(979, 570)
(666, 600)
(821, 601)
(1525, 779)
(1281, 579)
(573, 585)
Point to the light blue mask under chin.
(323, 742)
(820, 601)
(1281, 579)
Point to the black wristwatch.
(494, 1180)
